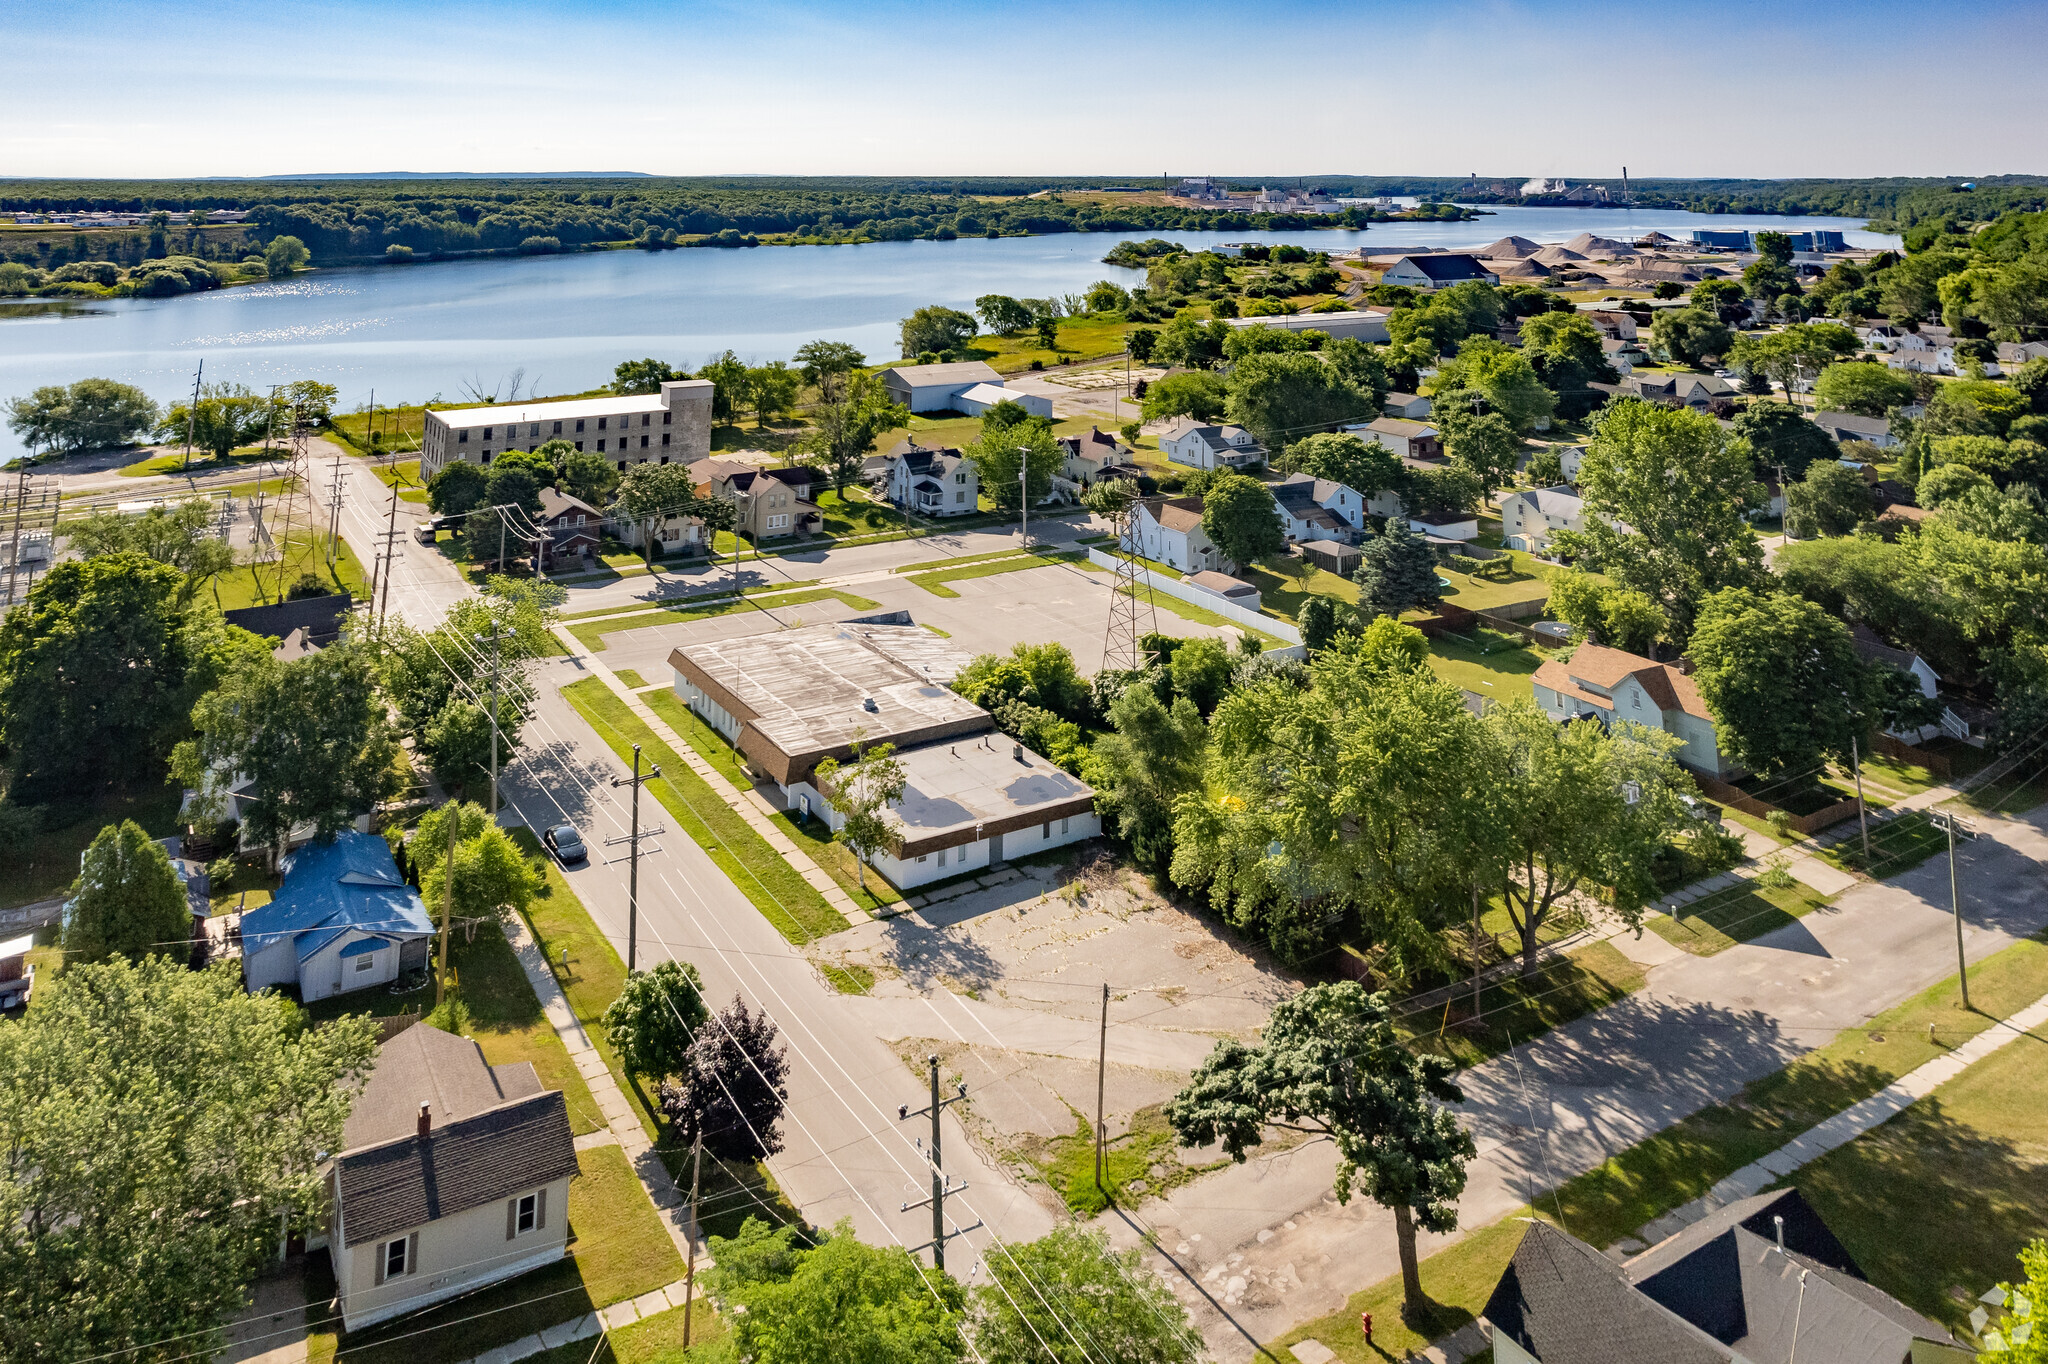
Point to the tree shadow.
(928, 955)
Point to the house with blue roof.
(344, 919)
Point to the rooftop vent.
(868, 704)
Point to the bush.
(397, 252)
(1495, 570)
(1465, 563)
(219, 873)
(536, 246)
(1044, 733)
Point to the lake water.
(426, 330)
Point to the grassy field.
(1944, 1195)
(403, 475)
(1488, 662)
(1717, 922)
(812, 835)
(1481, 594)
(784, 898)
(304, 552)
(935, 581)
(1080, 339)
(1145, 1152)
(591, 634)
(617, 1249)
(175, 462)
(1282, 589)
(1514, 1010)
(45, 865)
(853, 512)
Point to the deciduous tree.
(1001, 314)
(1200, 396)
(1781, 678)
(86, 415)
(1282, 397)
(1241, 518)
(860, 793)
(649, 494)
(1047, 1296)
(842, 1300)
(934, 328)
(1151, 758)
(1368, 469)
(1866, 389)
(161, 1125)
(732, 1086)
(643, 376)
(1832, 500)
(655, 1017)
(181, 536)
(852, 414)
(1782, 440)
(1689, 335)
(1330, 1063)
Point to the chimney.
(1017, 752)
(426, 1119)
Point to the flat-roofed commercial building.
(672, 426)
(789, 700)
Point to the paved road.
(847, 1155)
(424, 583)
(1701, 1029)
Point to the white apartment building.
(673, 426)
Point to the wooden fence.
(1761, 809)
(1937, 763)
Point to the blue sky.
(146, 88)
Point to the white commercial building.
(673, 426)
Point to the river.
(430, 329)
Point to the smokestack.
(426, 1119)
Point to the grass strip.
(591, 634)
(1895, 846)
(935, 583)
(1714, 923)
(960, 560)
(784, 898)
(1197, 616)
(683, 599)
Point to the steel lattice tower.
(1127, 612)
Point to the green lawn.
(959, 560)
(935, 581)
(1457, 1280)
(651, 1340)
(839, 862)
(853, 512)
(1911, 778)
(1946, 1193)
(617, 1249)
(1196, 615)
(1488, 662)
(46, 865)
(1897, 845)
(1685, 1160)
(258, 584)
(1483, 594)
(1080, 339)
(682, 600)
(784, 898)
(403, 475)
(1282, 589)
(200, 463)
(1515, 1010)
(591, 634)
(1715, 923)
(630, 678)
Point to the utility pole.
(192, 412)
(941, 1190)
(1024, 493)
(334, 512)
(1101, 1072)
(384, 591)
(1476, 1010)
(1953, 822)
(636, 781)
(495, 640)
(14, 543)
(1862, 815)
(447, 901)
(690, 1269)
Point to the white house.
(1445, 525)
(1412, 407)
(1530, 516)
(1438, 271)
(1871, 648)
(1360, 324)
(1169, 531)
(933, 482)
(1608, 685)
(453, 1174)
(1322, 509)
(1406, 439)
(342, 920)
(673, 425)
(937, 388)
(982, 397)
(1187, 441)
(1569, 458)
(1855, 426)
(1234, 591)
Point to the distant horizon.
(1754, 89)
(1143, 181)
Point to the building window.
(579, 445)
(525, 1214)
(600, 439)
(487, 433)
(1065, 824)
(558, 428)
(487, 457)
(579, 426)
(397, 1258)
(664, 438)
(1048, 829)
(462, 437)
(942, 857)
(365, 962)
(643, 442)
(665, 420)
(600, 423)
(646, 420)
(622, 466)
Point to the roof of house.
(1873, 648)
(1555, 501)
(1231, 439)
(332, 888)
(554, 504)
(1854, 423)
(714, 470)
(961, 372)
(1399, 426)
(1605, 668)
(992, 394)
(1404, 399)
(1441, 518)
(319, 617)
(808, 690)
(1566, 1303)
(1176, 513)
(493, 1132)
(1447, 269)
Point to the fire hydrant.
(1365, 1324)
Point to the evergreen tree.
(1397, 573)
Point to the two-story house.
(1530, 516)
(1700, 392)
(453, 1174)
(1406, 439)
(1088, 455)
(1608, 685)
(940, 482)
(772, 503)
(1842, 426)
(1169, 531)
(1323, 509)
(575, 528)
(1202, 445)
(1612, 323)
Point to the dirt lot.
(1003, 982)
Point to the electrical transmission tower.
(1128, 612)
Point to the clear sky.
(884, 87)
